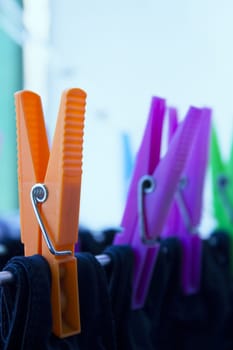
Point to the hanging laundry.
(10, 244)
(220, 248)
(188, 321)
(26, 314)
(156, 285)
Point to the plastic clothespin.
(49, 192)
(222, 184)
(152, 189)
(147, 159)
(185, 214)
(128, 158)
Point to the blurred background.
(121, 53)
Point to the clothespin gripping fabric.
(49, 186)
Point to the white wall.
(122, 53)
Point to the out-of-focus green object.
(222, 183)
(11, 80)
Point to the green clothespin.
(222, 183)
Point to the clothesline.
(7, 277)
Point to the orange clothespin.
(49, 193)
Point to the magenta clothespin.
(151, 193)
(147, 159)
(185, 214)
(155, 202)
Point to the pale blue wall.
(122, 53)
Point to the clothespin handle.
(185, 214)
(157, 199)
(50, 186)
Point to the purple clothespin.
(185, 213)
(152, 191)
(147, 159)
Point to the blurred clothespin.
(151, 192)
(222, 184)
(185, 214)
(49, 192)
(128, 159)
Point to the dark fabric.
(9, 248)
(25, 315)
(25, 312)
(220, 245)
(141, 329)
(169, 319)
(165, 277)
(188, 322)
(94, 243)
(10, 244)
(119, 274)
(95, 308)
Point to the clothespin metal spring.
(147, 185)
(39, 194)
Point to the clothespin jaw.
(59, 194)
